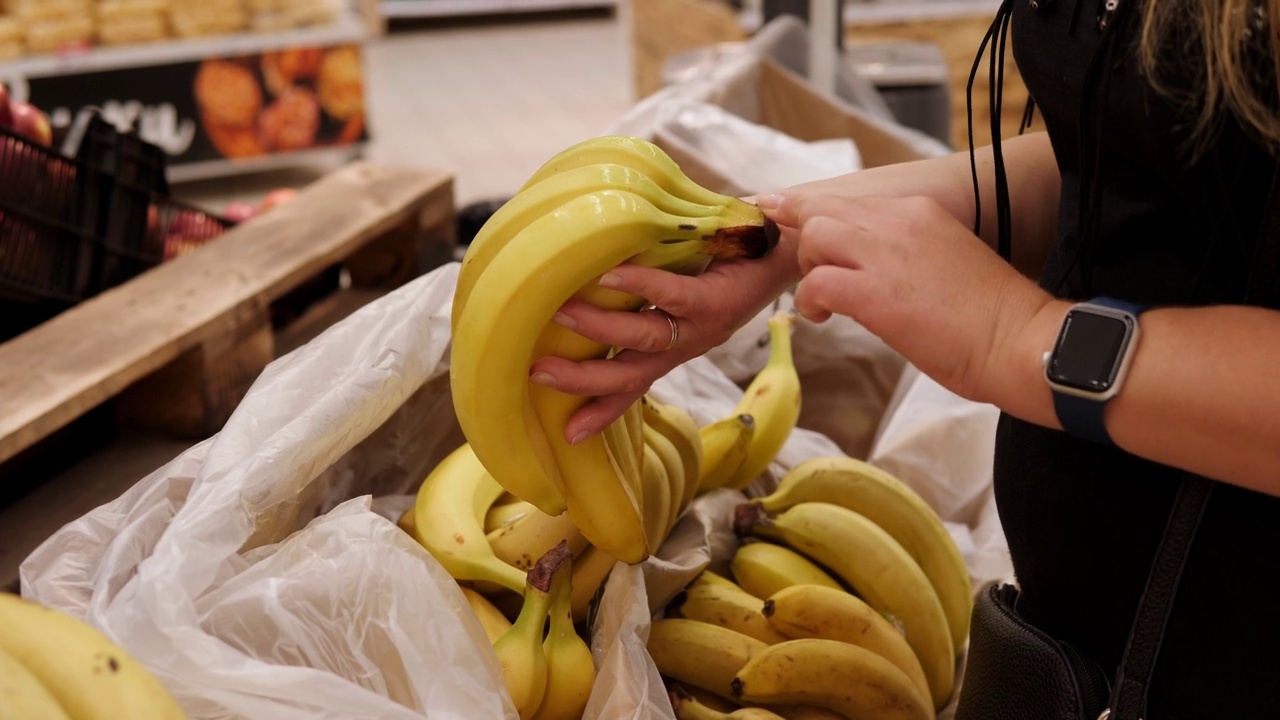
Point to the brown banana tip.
(747, 516)
(736, 688)
(744, 241)
(769, 608)
(547, 566)
(747, 419)
(677, 694)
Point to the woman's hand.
(912, 274)
(706, 309)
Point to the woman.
(1150, 186)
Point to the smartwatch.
(1087, 364)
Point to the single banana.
(571, 670)
(835, 675)
(406, 523)
(449, 520)
(875, 565)
(633, 152)
(894, 506)
(656, 501)
(495, 624)
(590, 570)
(519, 650)
(674, 466)
(705, 697)
(520, 543)
(22, 695)
(763, 568)
(688, 707)
(678, 426)
(772, 399)
(726, 605)
(700, 654)
(814, 611)
(500, 514)
(87, 674)
(707, 577)
(552, 259)
(725, 444)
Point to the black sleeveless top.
(1139, 221)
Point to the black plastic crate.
(130, 172)
(49, 215)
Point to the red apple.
(6, 115)
(238, 212)
(29, 122)
(276, 198)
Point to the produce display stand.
(221, 104)
(172, 351)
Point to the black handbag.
(1015, 671)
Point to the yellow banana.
(590, 570)
(23, 696)
(656, 500)
(676, 691)
(88, 675)
(449, 520)
(726, 605)
(813, 611)
(725, 444)
(633, 152)
(894, 506)
(495, 624)
(522, 541)
(677, 426)
(555, 257)
(519, 650)
(876, 566)
(543, 195)
(707, 577)
(835, 675)
(688, 707)
(406, 522)
(571, 670)
(772, 399)
(500, 515)
(764, 568)
(674, 466)
(700, 654)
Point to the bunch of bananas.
(848, 596)
(596, 205)
(55, 667)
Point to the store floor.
(489, 100)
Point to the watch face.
(1088, 351)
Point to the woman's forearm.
(1202, 392)
(1033, 180)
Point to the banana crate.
(282, 568)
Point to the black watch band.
(1083, 416)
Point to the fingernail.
(610, 280)
(769, 201)
(564, 321)
(582, 435)
(543, 378)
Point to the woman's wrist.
(1017, 383)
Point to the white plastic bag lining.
(253, 576)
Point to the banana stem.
(748, 516)
(544, 570)
(746, 241)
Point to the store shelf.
(330, 157)
(455, 8)
(349, 28)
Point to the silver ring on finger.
(675, 328)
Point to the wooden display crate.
(176, 348)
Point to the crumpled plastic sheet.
(260, 574)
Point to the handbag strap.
(1129, 694)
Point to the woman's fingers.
(629, 373)
(648, 331)
(597, 415)
(670, 291)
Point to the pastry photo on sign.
(281, 101)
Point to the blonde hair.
(1237, 58)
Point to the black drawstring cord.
(998, 30)
(1004, 213)
(1028, 115)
